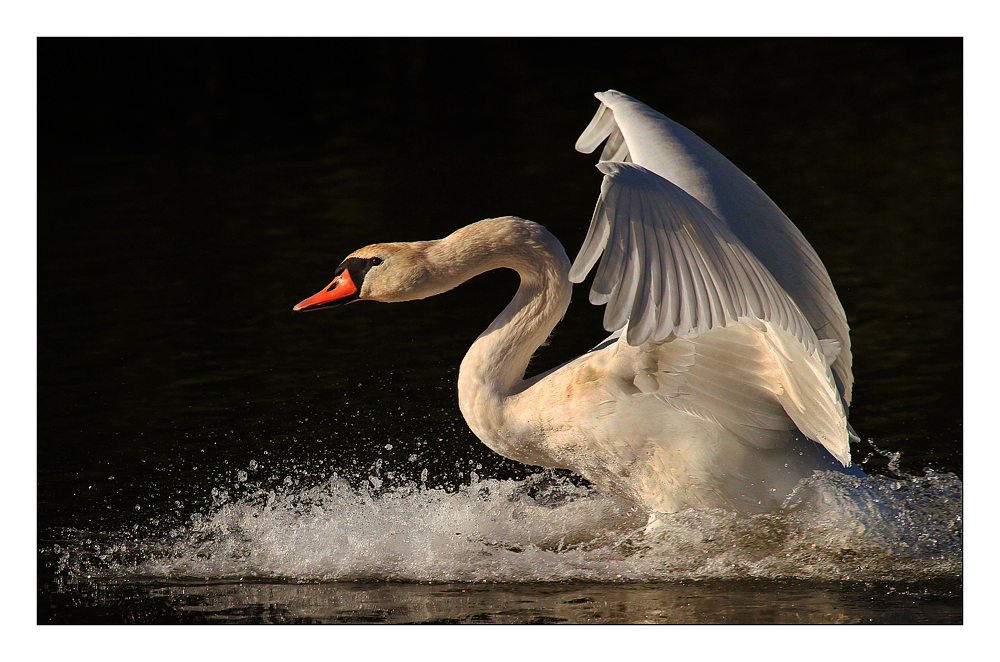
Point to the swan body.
(727, 375)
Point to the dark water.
(733, 602)
(206, 456)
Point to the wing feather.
(642, 319)
(611, 269)
(708, 276)
(615, 149)
(753, 379)
(593, 245)
(600, 127)
(666, 321)
(639, 134)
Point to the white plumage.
(728, 373)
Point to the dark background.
(192, 190)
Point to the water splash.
(542, 528)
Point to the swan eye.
(375, 261)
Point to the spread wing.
(670, 265)
(690, 242)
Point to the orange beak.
(342, 290)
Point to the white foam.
(546, 529)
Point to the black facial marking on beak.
(345, 287)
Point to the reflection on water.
(757, 602)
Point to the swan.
(727, 376)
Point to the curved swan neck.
(494, 366)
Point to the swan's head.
(380, 272)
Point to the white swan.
(728, 375)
